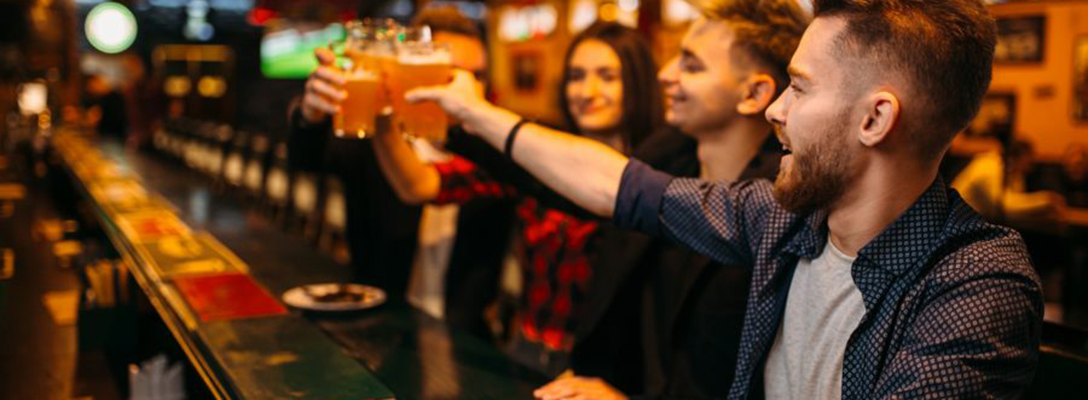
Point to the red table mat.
(227, 296)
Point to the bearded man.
(870, 277)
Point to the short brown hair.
(766, 31)
(945, 48)
(447, 19)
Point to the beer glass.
(419, 64)
(365, 96)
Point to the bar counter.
(392, 351)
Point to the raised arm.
(583, 170)
(722, 221)
(308, 116)
(414, 181)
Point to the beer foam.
(438, 57)
(361, 74)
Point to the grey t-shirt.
(822, 310)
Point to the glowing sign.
(678, 12)
(519, 24)
(110, 27)
(582, 15)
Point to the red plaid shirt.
(552, 251)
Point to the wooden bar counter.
(392, 351)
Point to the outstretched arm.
(583, 170)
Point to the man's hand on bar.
(324, 89)
(585, 171)
(580, 388)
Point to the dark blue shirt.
(953, 307)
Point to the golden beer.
(357, 111)
(365, 95)
(423, 120)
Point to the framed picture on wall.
(527, 68)
(1080, 79)
(1020, 39)
(997, 114)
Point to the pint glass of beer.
(420, 64)
(365, 96)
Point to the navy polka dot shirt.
(953, 305)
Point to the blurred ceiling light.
(33, 98)
(211, 86)
(609, 12)
(582, 15)
(168, 3)
(197, 26)
(678, 12)
(628, 5)
(110, 28)
(234, 5)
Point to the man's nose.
(776, 113)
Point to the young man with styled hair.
(870, 277)
(685, 309)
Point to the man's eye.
(690, 66)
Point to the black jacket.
(684, 311)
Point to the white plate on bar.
(334, 297)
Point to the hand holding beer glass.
(419, 64)
(362, 83)
(380, 63)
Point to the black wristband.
(509, 147)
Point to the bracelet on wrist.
(508, 148)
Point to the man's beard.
(817, 176)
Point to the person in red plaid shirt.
(609, 95)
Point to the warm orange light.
(609, 12)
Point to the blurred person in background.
(143, 101)
(690, 309)
(104, 107)
(1075, 175)
(383, 232)
(608, 94)
(994, 185)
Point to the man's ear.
(756, 95)
(881, 116)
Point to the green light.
(110, 27)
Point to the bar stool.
(234, 165)
(160, 138)
(256, 163)
(202, 147)
(193, 146)
(176, 145)
(278, 185)
(216, 152)
(334, 220)
(305, 203)
(186, 133)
